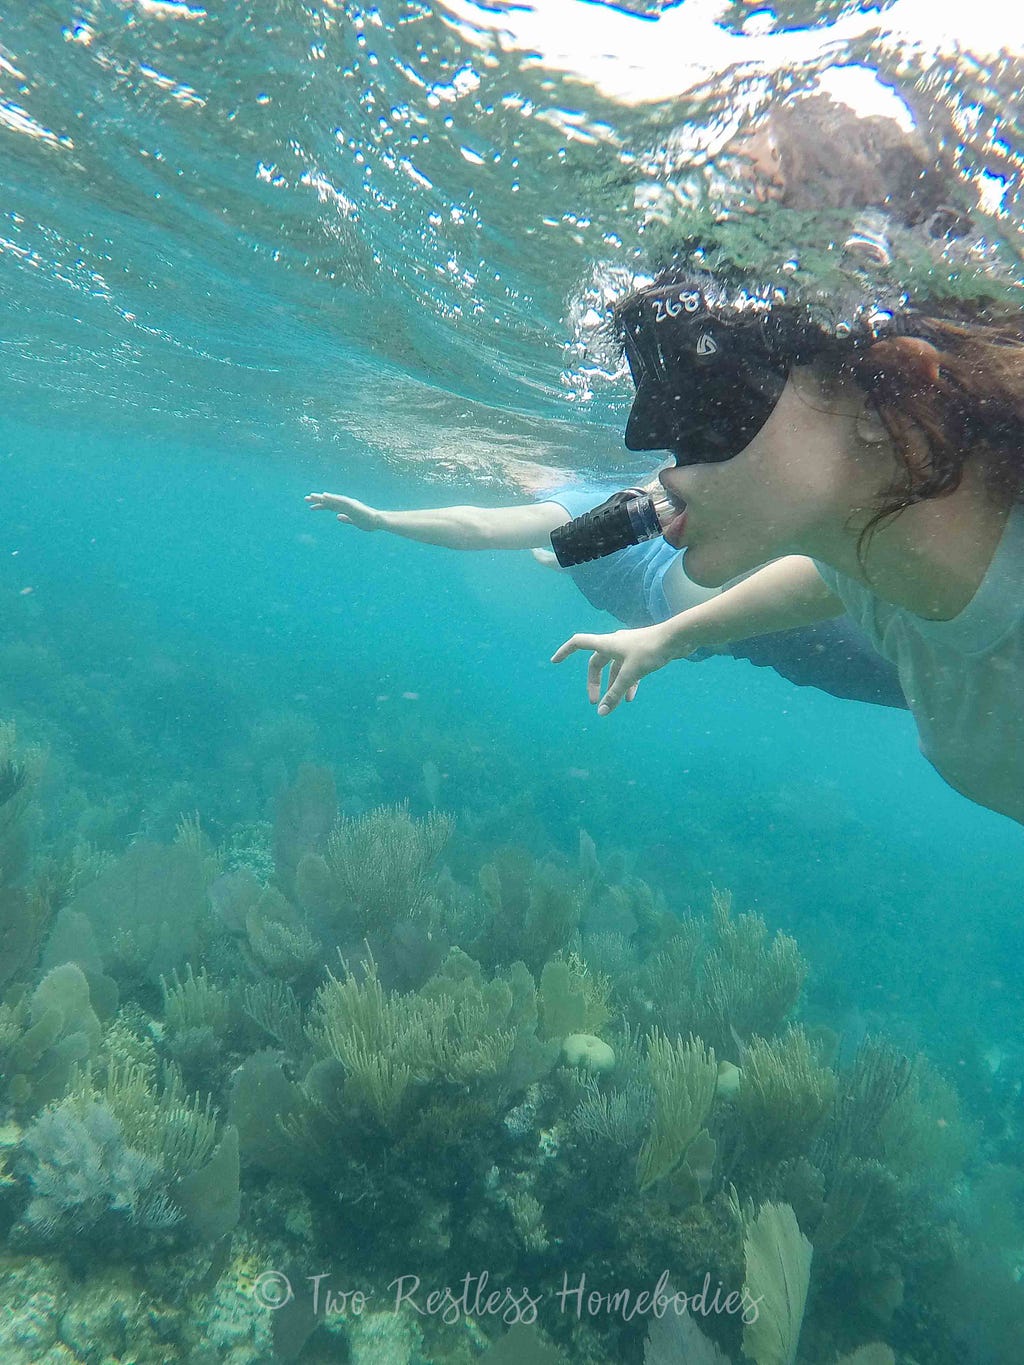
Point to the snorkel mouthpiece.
(626, 518)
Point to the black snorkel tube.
(626, 518)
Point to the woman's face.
(788, 492)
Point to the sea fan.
(675, 1339)
(778, 1258)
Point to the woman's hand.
(350, 511)
(631, 654)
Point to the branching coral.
(128, 1158)
(669, 980)
(924, 1135)
(303, 815)
(380, 867)
(377, 1037)
(194, 1002)
(563, 1000)
(750, 983)
(24, 919)
(617, 1119)
(25, 911)
(852, 1188)
(527, 1213)
(683, 1077)
(783, 1097)
(133, 1154)
(190, 835)
(279, 941)
(197, 1014)
(19, 771)
(534, 911)
(164, 1122)
(865, 1101)
(12, 1019)
(273, 1007)
(726, 987)
(127, 1042)
(385, 1040)
(85, 1178)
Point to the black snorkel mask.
(707, 379)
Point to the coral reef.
(683, 1077)
(219, 1066)
(122, 1165)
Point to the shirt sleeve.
(868, 610)
(833, 656)
(829, 576)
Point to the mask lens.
(732, 407)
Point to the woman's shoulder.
(576, 496)
(995, 611)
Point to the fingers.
(349, 512)
(546, 558)
(621, 687)
(595, 670)
(614, 673)
(327, 501)
(622, 680)
(574, 643)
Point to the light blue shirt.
(963, 678)
(629, 583)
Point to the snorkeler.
(810, 151)
(876, 472)
(874, 468)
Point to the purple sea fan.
(675, 1339)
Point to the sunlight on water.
(427, 188)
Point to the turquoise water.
(223, 286)
(202, 578)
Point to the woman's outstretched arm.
(457, 528)
(783, 595)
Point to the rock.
(33, 1296)
(588, 1052)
